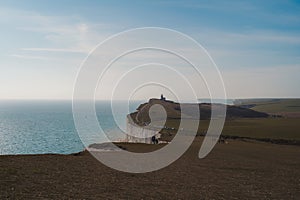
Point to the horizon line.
(37, 99)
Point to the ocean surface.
(39, 127)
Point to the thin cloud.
(55, 50)
(67, 34)
(29, 57)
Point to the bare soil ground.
(237, 170)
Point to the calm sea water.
(37, 127)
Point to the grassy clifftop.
(174, 111)
(285, 107)
(240, 122)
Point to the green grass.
(278, 128)
(268, 128)
(272, 128)
(274, 106)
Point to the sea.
(47, 127)
(43, 127)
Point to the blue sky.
(256, 44)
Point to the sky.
(255, 44)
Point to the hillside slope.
(173, 111)
(283, 107)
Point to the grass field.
(271, 128)
(283, 127)
(273, 105)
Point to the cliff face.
(140, 134)
(173, 111)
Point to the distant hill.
(173, 110)
(284, 107)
